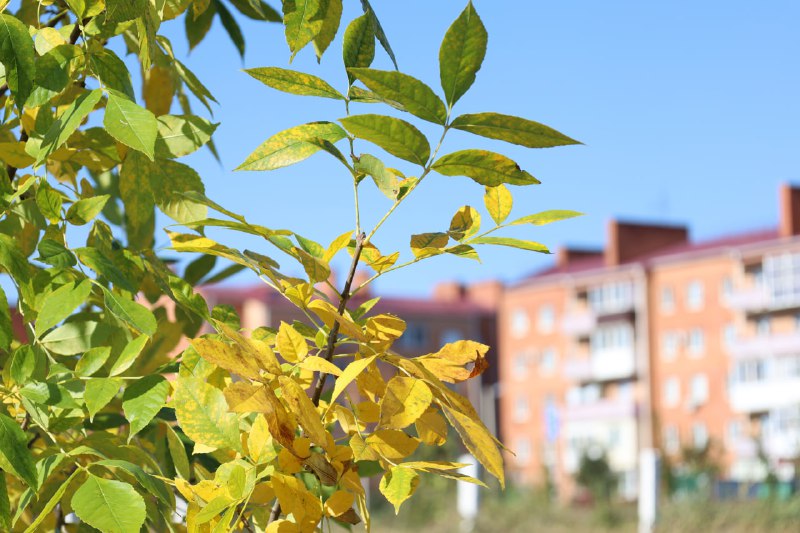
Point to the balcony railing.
(766, 345)
(756, 299)
(605, 409)
(579, 323)
(758, 396)
(605, 365)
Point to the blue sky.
(689, 113)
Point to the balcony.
(759, 396)
(761, 299)
(784, 445)
(601, 410)
(764, 346)
(579, 323)
(606, 365)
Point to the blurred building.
(656, 341)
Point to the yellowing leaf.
(461, 54)
(512, 129)
(348, 375)
(203, 415)
(398, 484)
(498, 201)
(484, 167)
(478, 441)
(465, 223)
(294, 82)
(247, 398)
(339, 503)
(394, 135)
(253, 349)
(329, 315)
(432, 428)
(392, 444)
(385, 327)
(546, 217)
(229, 357)
(259, 441)
(412, 95)
(318, 364)
(300, 404)
(291, 345)
(513, 243)
(291, 146)
(405, 400)
(451, 362)
(362, 452)
(295, 499)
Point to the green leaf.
(257, 10)
(394, 135)
(461, 54)
(49, 201)
(135, 315)
(203, 414)
(484, 167)
(178, 453)
(111, 71)
(74, 337)
(92, 361)
(84, 210)
(6, 329)
(60, 304)
(143, 400)
(330, 12)
(128, 355)
(67, 123)
(150, 483)
(398, 484)
(100, 263)
(24, 363)
(14, 454)
(124, 10)
(180, 135)
(386, 180)
(44, 513)
(412, 95)
(300, 22)
(231, 26)
(291, 146)
(512, 129)
(100, 391)
(131, 124)
(108, 505)
(5, 504)
(546, 217)
(358, 48)
(18, 57)
(55, 254)
(514, 243)
(498, 201)
(379, 33)
(464, 250)
(291, 81)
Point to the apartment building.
(656, 341)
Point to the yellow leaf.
(338, 244)
(339, 503)
(451, 362)
(465, 223)
(349, 374)
(478, 441)
(247, 398)
(322, 468)
(295, 499)
(406, 399)
(229, 357)
(378, 262)
(347, 420)
(362, 452)
(371, 383)
(307, 415)
(329, 315)
(288, 462)
(158, 89)
(291, 344)
(498, 201)
(318, 364)
(392, 444)
(426, 244)
(385, 328)
(299, 294)
(280, 422)
(398, 484)
(263, 494)
(255, 349)
(432, 428)
(203, 415)
(259, 441)
(13, 153)
(282, 526)
(368, 412)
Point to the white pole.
(468, 494)
(649, 473)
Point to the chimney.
(566, 255)
(628, 241)
(789, 210)
(486, 293)
(448, 291)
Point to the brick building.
(656, 341)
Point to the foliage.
(116, 403)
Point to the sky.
(688, 112)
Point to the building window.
(667, 300)
(726, 289)
(519, 366)
(670, 341)
(547, 361)
(699, 435)
(522, 408)
(672, 392)
(520, 323)
(611, 297)
(612, 337)
(763, 326)
(694, 295)
(451, 335)
(699, 389)
(697, 342)
(547, 319)
(734, 431)
(522, 447)
(672, 440)
(729, 335)
(415, 336)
